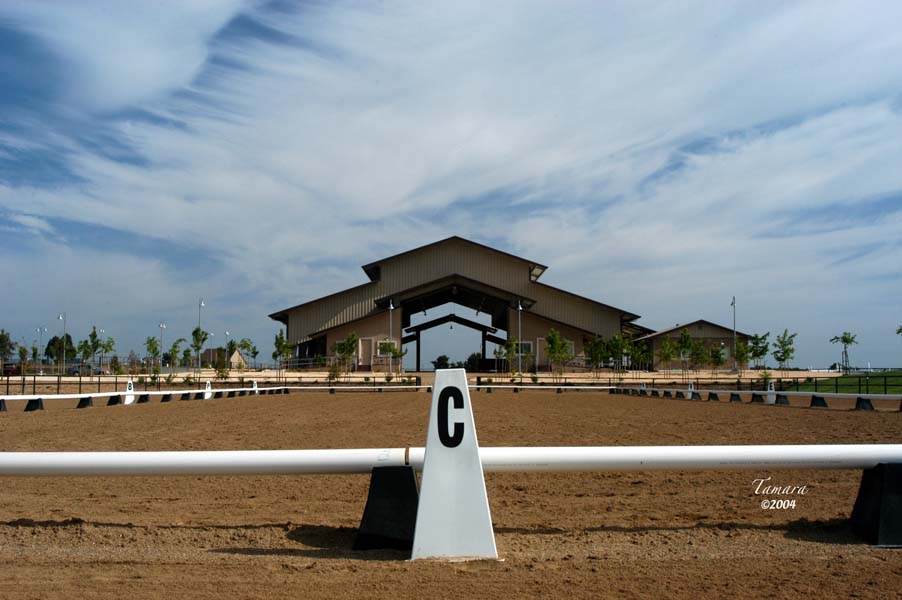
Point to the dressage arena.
(619, 534)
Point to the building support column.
(483, 344)
(418, 352)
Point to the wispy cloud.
(659, 159)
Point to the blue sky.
(659, 157)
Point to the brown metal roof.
(684, 325)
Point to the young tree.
(186, 358)
(198, 339)
(246, 347)
(95, 342)
(716, 359)
(684, 347)
(846, 339)
(346, 349)
(23, 358)
(699, 354)
(742, 356)
(152, 345)
(615, 350)
(387, 347)
(472, 362)
(667, 352)
(174, 352)
(784, 348)
(441, 362)
(6, 347)
(758, 348)
(511, 349)
(559, 353)
(596, 351)
(84, 349)
(642, 355)
(231, 349)
(107, 347)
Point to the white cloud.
(368, 131)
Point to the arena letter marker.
(453, 518)
(208, 391)
(129, 393)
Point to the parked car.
(11, 369)
(86, 370)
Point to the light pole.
(200, 305)
(733, 304)
(41, 331)
(519, 340)
(213, 347)
(228, 358)
(101, 331)
(162, 327)
(62, 317)
(391, 310)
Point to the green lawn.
(865, 383)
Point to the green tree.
(95, 343)
(559, 352)
(699, 354)
(35, 353)
(667, 352)
(684, 347)
(247, 348)
(231, 349)
(716, 359)
(742, 356)
(23, 358)
(758, 347)
(472, 362)
(784, 348)
(388, 348)
(7, 346)
(152, 345)
(198, 339)
(54, 349)
(441, 362)
(107, 347)
(846, 339)
(596, 351)
(84, 349)
(511, 348)
(174, 352)
(345, 350)
(186, 358)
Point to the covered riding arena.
(451, 271)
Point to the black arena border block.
(559, 390)
(656, 393)
(612, 391)
(3, 405)
(818, 402)
(782, 400)
(643, 392)
(166, 398)
(667, 394)
(231, 394)
(242, 393)
(877, 515)
(680, 395)
(863, 404)
(217, 394)
(143, 399)
(86, 402)
(429, 390)
(186, 396)
(34, 404)
(199, 396)
(734, 397)
(488, 390)
(757, 399)
(713, 396)
(114, 400)
(696, 396)
(390, 515)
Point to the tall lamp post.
(733, 304)
(228, 359)
(62, 317)
(200, 305)
(519, 340)
(391, 310)
(41, 331)
(101, 331)
(162, 327)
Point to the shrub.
(188, 379)
(388, 378)
(535, 378)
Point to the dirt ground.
(588, 535)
